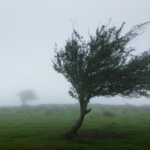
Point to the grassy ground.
(105, 128)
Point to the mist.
(29, 31)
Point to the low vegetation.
(107, 127)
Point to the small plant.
(20, 111)
(124, 110)
(134, 110)
(108, 114)
(35, 109)
(48, 112)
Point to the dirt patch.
(96, 134)
(123, 136)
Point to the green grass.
(41, 127)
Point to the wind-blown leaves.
(105, 65)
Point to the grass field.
(106, 127)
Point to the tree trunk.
(74, 129)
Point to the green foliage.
(105, 65)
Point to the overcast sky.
(29, 30)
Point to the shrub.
(48, 112)
(108, 114)
(125, 110)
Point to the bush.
(48, 112)
(125, 110)
(108, 114)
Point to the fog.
(29, 30)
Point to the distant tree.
(103, 66)
(27, 95)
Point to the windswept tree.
(103, 66)
(27, 95)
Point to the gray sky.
(29, 30)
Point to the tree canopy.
(105, 65)
(27, 95)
